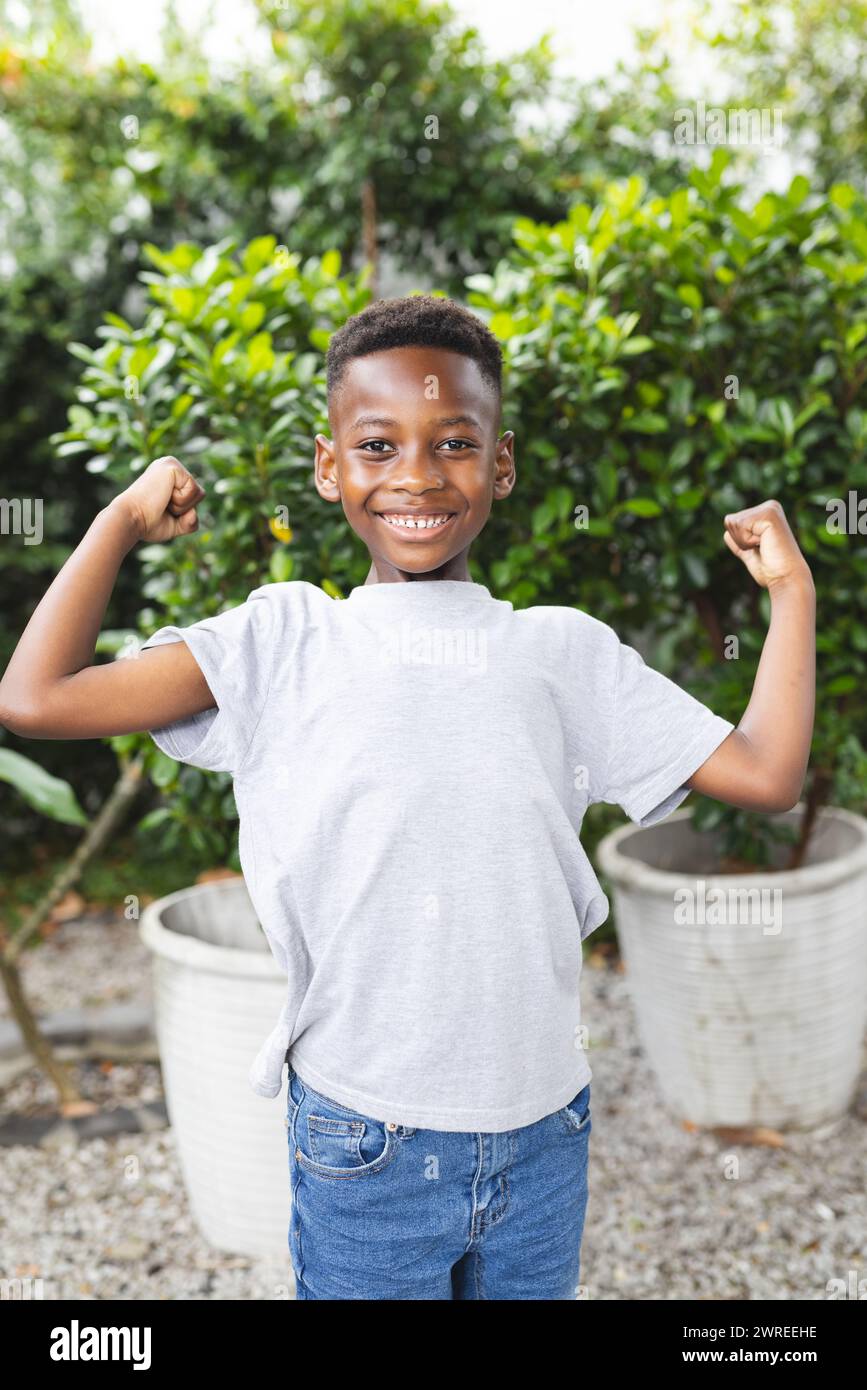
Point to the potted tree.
(749, 987)
(217, 990)
(701, 353)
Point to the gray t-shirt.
(411, 767)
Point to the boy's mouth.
(415, 524)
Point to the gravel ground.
(109, 1219)
(95, 959)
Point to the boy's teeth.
(415, 522)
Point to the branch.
(706, 609)
(123, 793)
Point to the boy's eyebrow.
(372, 420)
(364, 420)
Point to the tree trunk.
(124, 791)
(706, 609)
(59, 1073)
(820, 789)
(369, 238)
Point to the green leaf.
(798, 190)
(843, 195)
(184, 302)
(841, 685)
(162, 357)
(646, 422)
(696, 568)
(252, 316)
(678, 207)
(688, 501)
(605, 476)
(786, 417)
(633, 346)
(281, 565)
(50, 795)
(84, 353)
(690, 296)
(258, 253)
(260, 354)
(681, 454)
(502, 326)
(641, 506)
(154, 819)
(163, 769)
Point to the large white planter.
(746, 1022)
(218, 992)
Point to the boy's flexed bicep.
(234, 652)
(658, 736)
(199, 690)
(123, 696)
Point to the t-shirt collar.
(416, 591)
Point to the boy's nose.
(416, 469)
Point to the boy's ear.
(504, 459)
(325, 469)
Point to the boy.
(411, 767)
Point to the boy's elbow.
(22, 720)
(784, 797)
(24, 714)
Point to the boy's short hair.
(417, 320)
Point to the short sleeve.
(235, 652)
(660, 735)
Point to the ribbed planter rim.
(634, 873)
(203, 955)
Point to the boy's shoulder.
(295, 595)
(573, 624)
(281, 610)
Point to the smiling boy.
(410, 814)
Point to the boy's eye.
(373, 445)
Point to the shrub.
(668, 359)
(671, 359)
(227, 373)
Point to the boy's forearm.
(61, 635)
(778, 721)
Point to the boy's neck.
(384, 573)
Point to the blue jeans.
(384, 1211)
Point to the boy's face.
(415, 440)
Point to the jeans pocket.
(575, 1117)
(293, 1097)
(332, 1141)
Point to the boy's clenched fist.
(762, 538)
(161, 504)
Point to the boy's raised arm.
(51, 688)
(762, 763)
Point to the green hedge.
(669, 359)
